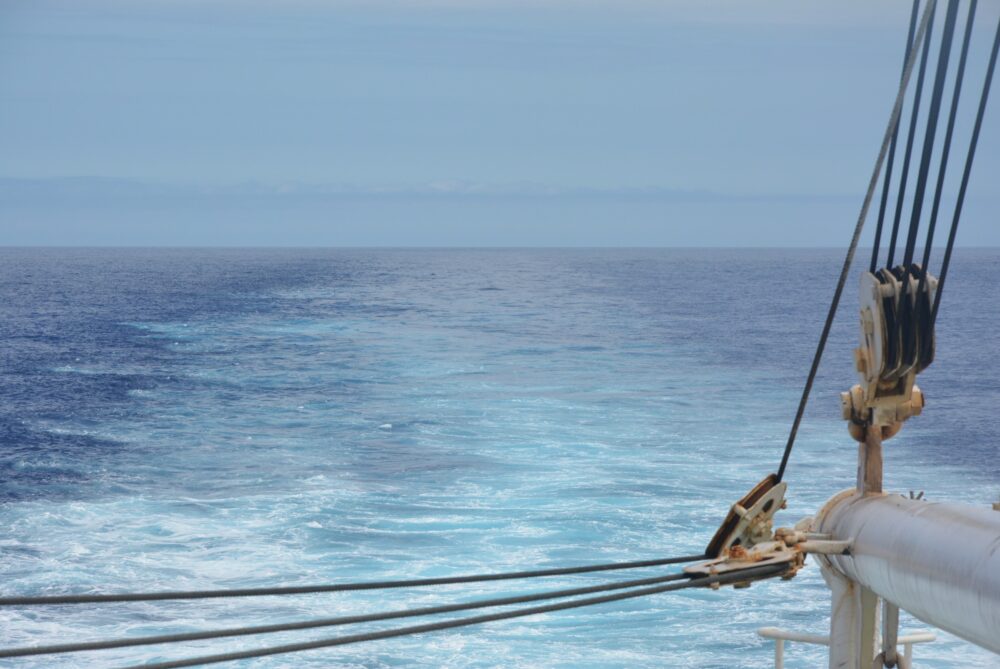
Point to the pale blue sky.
(440, 122)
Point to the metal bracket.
(738, 558)
(749, 521)
(745, 538)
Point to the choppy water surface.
(195, 418)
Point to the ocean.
(210, 418)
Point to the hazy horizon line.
(93, 185)
(858, 255)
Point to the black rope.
(946, 147)
(330, 622)
(909, 140)
(766, 571)
(336, 587)
(892, 147)
(872, 184)
(968, 170)
(930, 132)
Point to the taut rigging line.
(332, 622)
(970, 156)
(48, 600)
(918, 39)
(766, 571)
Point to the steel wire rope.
(892, 147)
(331, 622)
(946, 147)
(918, 39)
(914, 114)
(970, 156)
(766, 571)
(930, 133)
(336, 587)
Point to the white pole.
(890, 632)
(937, 561)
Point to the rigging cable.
(930, 132)
(909, 139)
(892, 146)
(968, 169)
(766, 571)
(946, 147)
(872, 184)
(336, 587)
(340, 620)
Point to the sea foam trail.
(193, 419)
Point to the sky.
(457, 123)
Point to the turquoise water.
(230, 418)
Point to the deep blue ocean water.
(227, 418)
